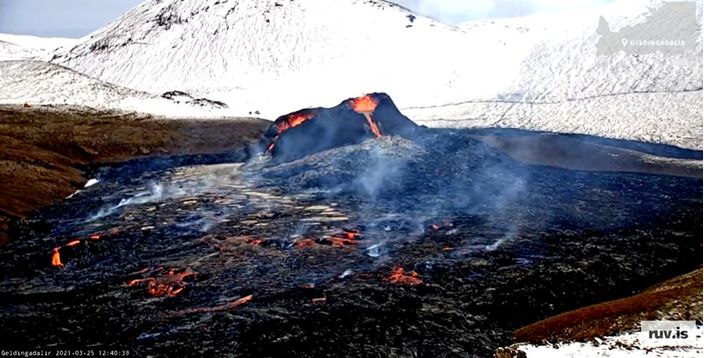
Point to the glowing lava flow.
(347, 237)
(168, 286)
(73, 243)
(292, 120)
(366, 106)
(56, 258)
(399, 276)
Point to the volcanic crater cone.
(311, 130)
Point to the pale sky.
(76, 18)
(59, 18)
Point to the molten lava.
(294, 119)
(304, 243)
(351, 234)
(254, 242)
(400, 276)
(339, 241)
(366, 106)
(56, 258)
(288, 122)
(72, 243)
(169, 285)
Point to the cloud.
(455, 11)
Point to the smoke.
(380, 171)
(154, 193)
(457, 11)
(170, 189)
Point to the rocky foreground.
(455, 282)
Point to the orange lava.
(292, 120)
(254, 242)
(345, 238)
(399, 276)
(304, 243)
(372, 126)
(72, 243)
(366, 106)
(339, 241)
(351, 234)
(56, 258)
(168, 286)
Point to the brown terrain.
(679, 298)
(44, 147)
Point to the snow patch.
(621, 346)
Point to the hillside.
(271, 56)
(539, 72)
(565, 85)
(19, 47)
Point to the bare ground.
(43, 148)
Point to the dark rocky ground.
(496, 244)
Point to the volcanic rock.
(312, 130)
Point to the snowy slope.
(275, 56)
(566, 86)
(18, 47)
(38, 82)
(11, 51)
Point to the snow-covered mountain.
(275, 56)
(565, 85)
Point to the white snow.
(272, 57)
(91, 182)
(565, 86)
(18, 47)
(257, 56)
(37, 82)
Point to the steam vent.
(307, 131)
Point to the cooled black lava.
(354, 120)
(496, 244)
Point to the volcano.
(311, 130)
